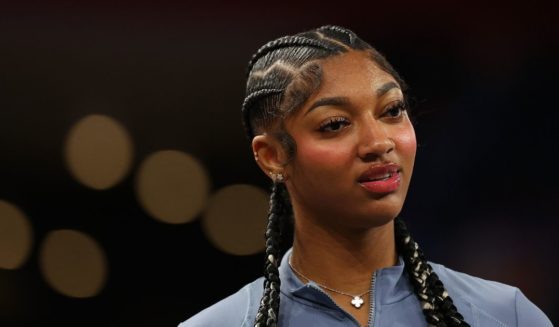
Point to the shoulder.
(235, 310)
(503, 304)
(475, 288)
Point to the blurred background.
(128, 191)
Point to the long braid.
(437, 305)
(268, 312)
(264, 94)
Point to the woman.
(327, 117)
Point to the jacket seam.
(317, 306)
(516, 305)
(248, 292)
(484, 312)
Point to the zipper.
(371, 321)
(336, 304)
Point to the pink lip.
(381, 178)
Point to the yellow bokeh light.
(98, 151)
(235, 220)
(172, 186)
(73, 263)
(16, 236)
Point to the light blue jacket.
(482, 303)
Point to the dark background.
(483, 196)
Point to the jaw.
(350, 213)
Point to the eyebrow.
(386, 87)
(330, 101)
(341, 101)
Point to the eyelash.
(342, 122)
(333, 122)
(400, 106)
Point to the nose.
(374, 140)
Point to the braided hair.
(281, 76)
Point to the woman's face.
(355, 146)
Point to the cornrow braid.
(282, 63)
(268, 312)
(284, 42)
(351, 36)
(249, 101)
(437, 305)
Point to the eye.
(334, 124)
(395, 110)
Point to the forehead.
(351, 72)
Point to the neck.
(342, 259)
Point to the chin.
(381, 211)
(379, 218)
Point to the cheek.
(322, 155)
(407, 143)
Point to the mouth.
(381, 179)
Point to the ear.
(269, 154)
